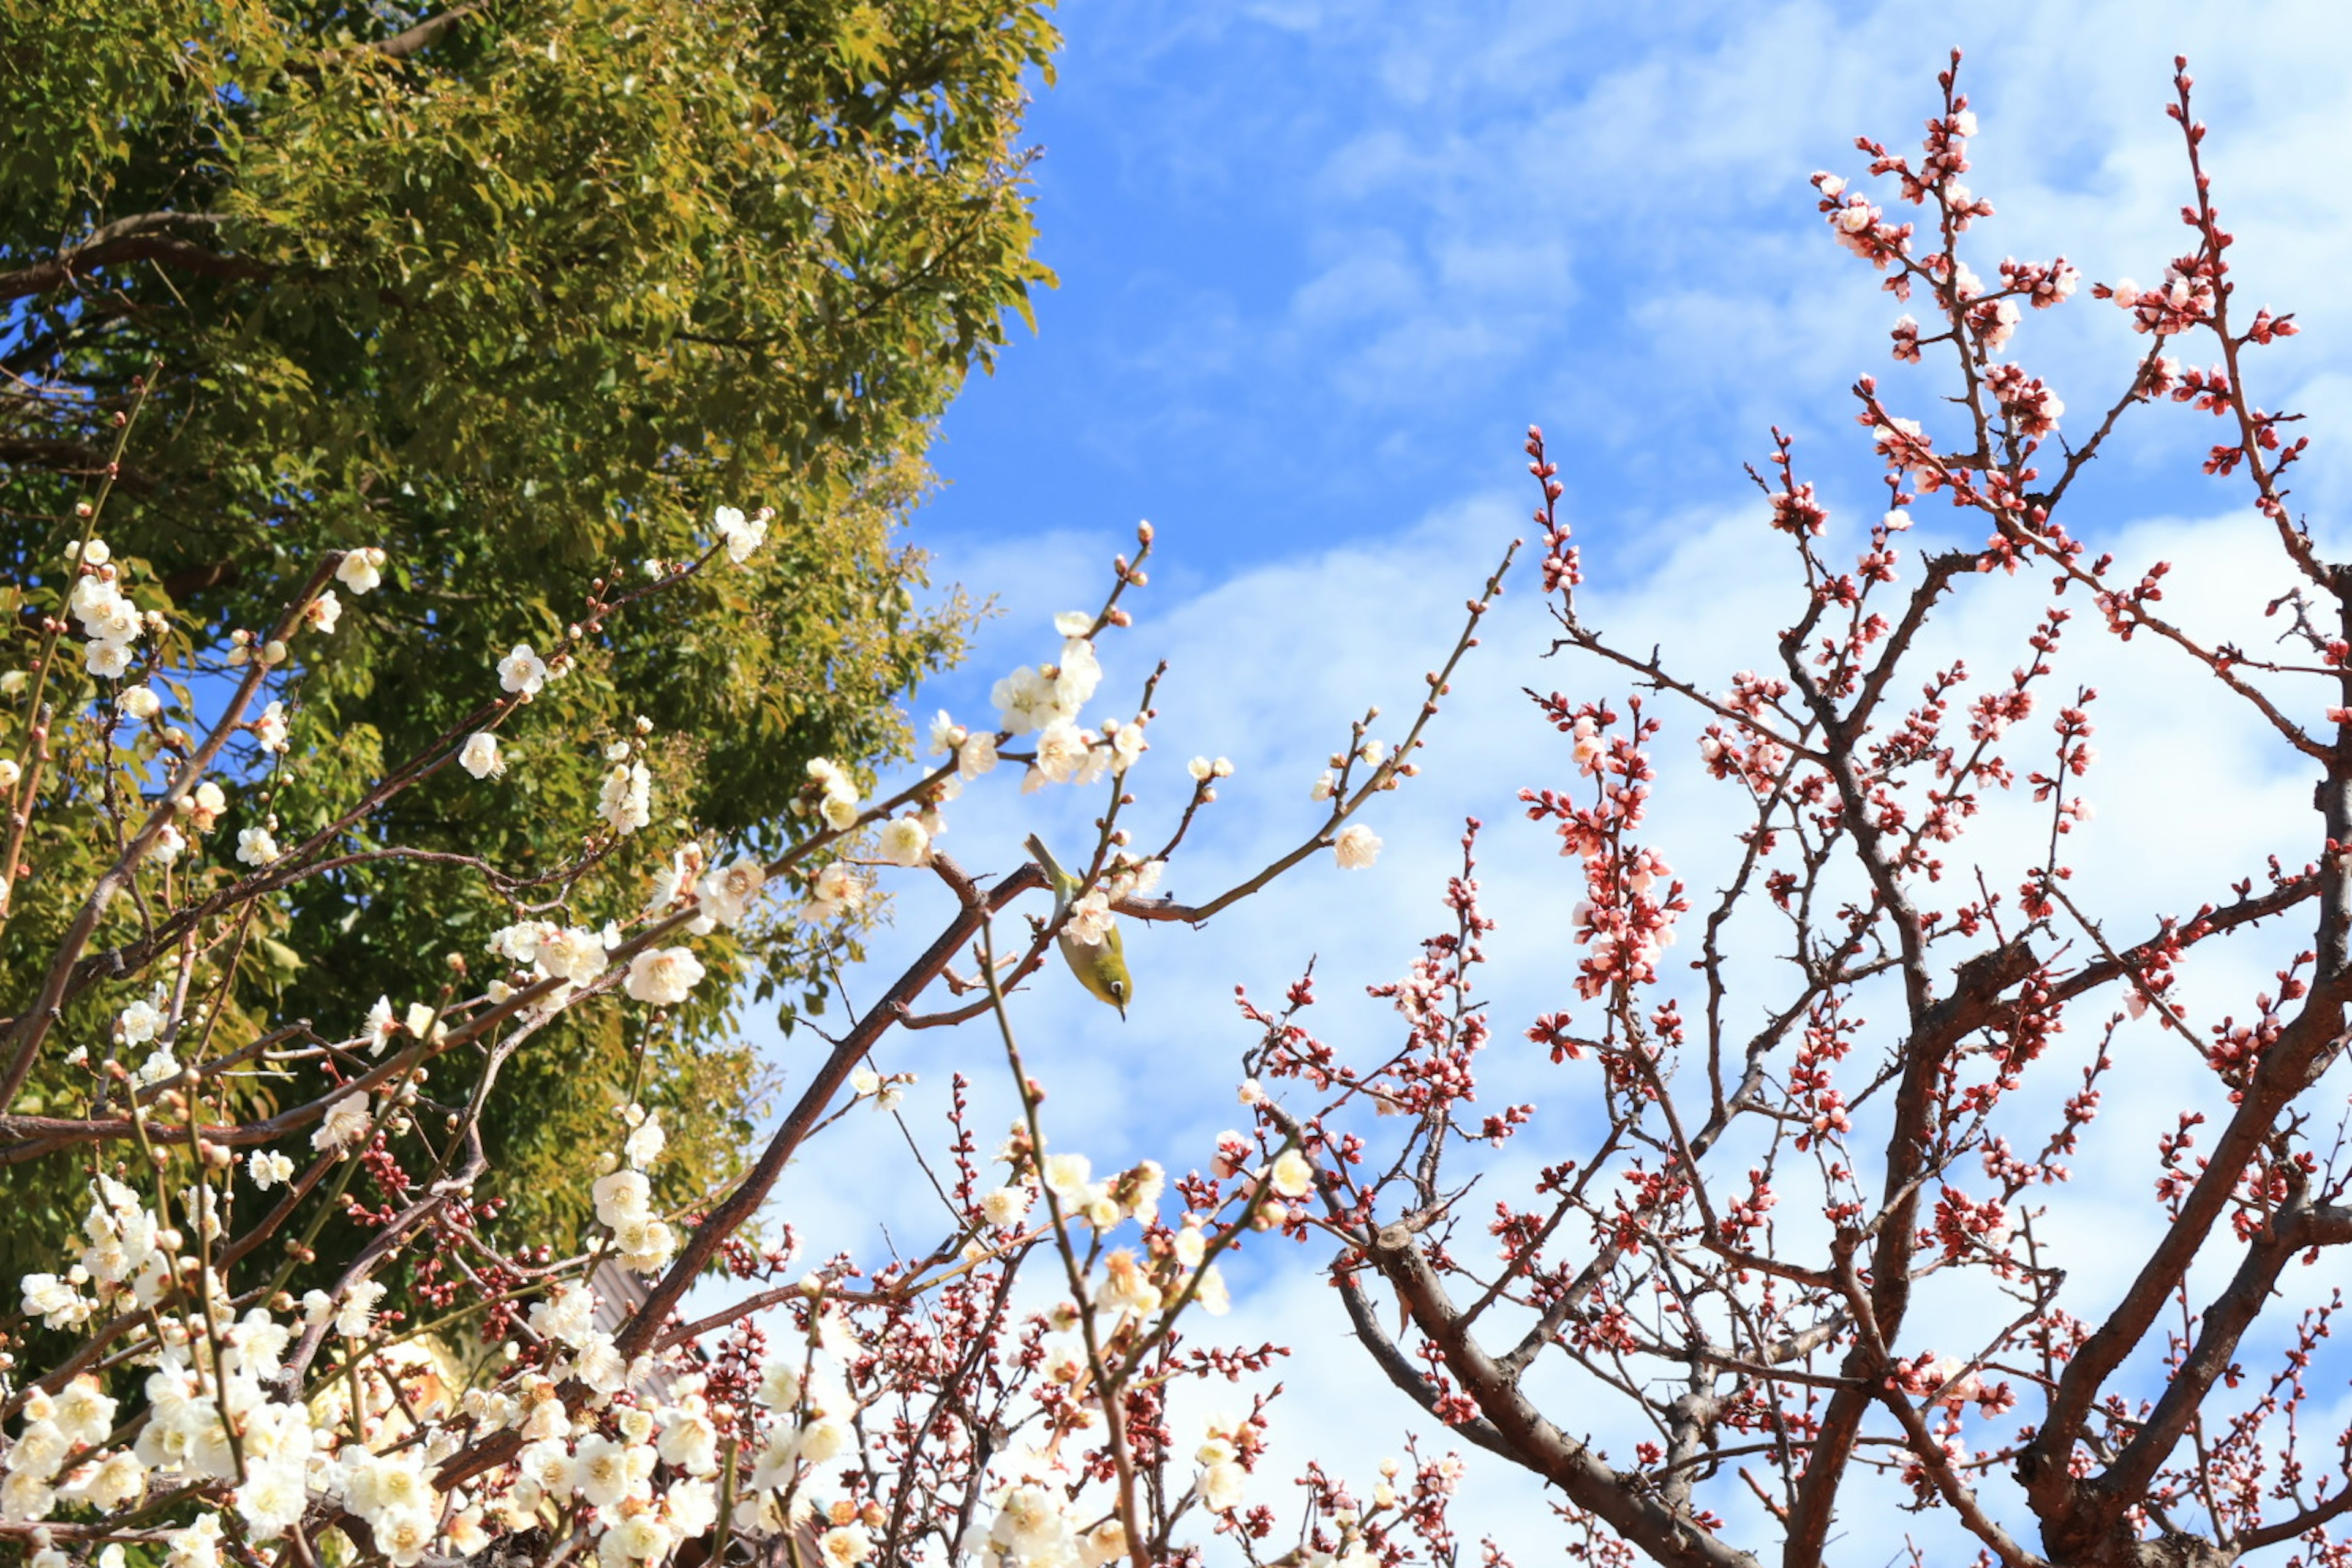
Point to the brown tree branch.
(139, 238)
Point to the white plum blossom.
(976, 755)
(945, 735)
(1293, 1175)
(355, 1313)
(346, 1122)
(1032, 1526)
(84, 1412)
(663, 976)
(1127, 745)
(837, 889)
(572, 952)
(269, 729)
(844, 1546)
(255, 846)
(324, 611)
(1221, 1486)
(1067, 1176)
(1061, 751)
(621, 1196)
(727, 894)
(361, 570)
(1209, 1292)
(205, 805)
(269, 1168)
(196, 1546)
(522, 671)
(1026, 701)
(138, 1024)
(1125, 1287)
(568, 1317)
(480, 756)
(1356, 847)
(380, 1025)
(140, 703)
(1090, 919)
(904, 842)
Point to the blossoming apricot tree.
(1802, 1279)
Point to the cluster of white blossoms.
(626, 800)
(140, 1022)
(643, 1240)
(109, 619)
(1128, 1281)
(542, 949)
(1220, 1477)
(219, 1420)
(974, 751)
(831, 794)
(1047, 699)
(740, 535)
(195, 1399)
(723, 895)
(1039, 1526)
(125, 1266)
(1036, 696)
(419, 1019)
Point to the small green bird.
(1100, 966)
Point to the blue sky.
(1321, 264)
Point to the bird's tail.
(1061, 879)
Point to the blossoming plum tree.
(294, 1328)
(1722, 1326)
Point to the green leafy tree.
(519, 293)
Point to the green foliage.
(519, 293)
